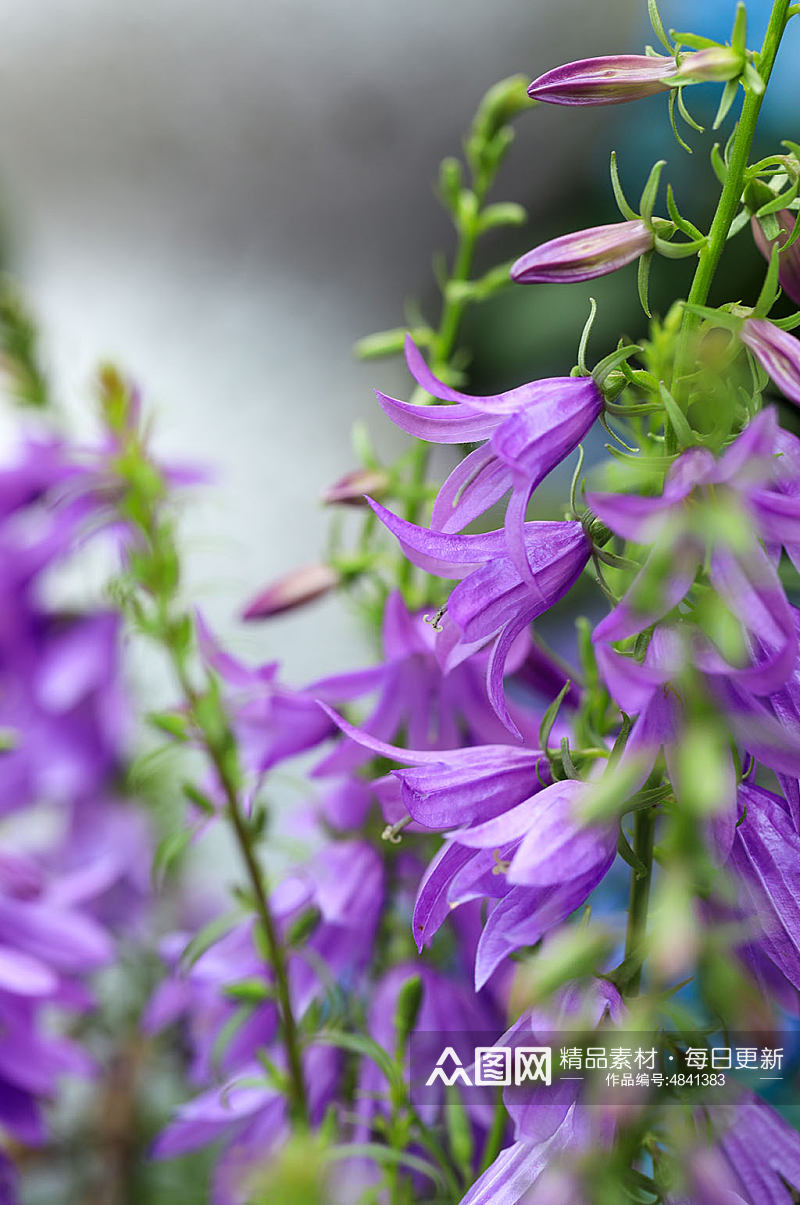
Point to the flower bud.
(584, 254)
(350, 489)
(611, 80)
(777, 352)
(294, 590)
(789, 270)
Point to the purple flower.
(789, 274)
(584, 254)
(251, 1121)
(610, 80)
(529, 430)
(423, 690)
(494, 600)
(520, 842)
(350, 489)
(271, 721)
(739, 570)
(47, 947)
(760, 1149)
(344, 887)
(764, 860)
(777, 352)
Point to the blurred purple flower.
(435, 703)
(789, 274)
(740, 571)
(295, 589)
(777, 352)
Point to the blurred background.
(224, 197)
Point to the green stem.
(297, 1097)
(443, 347)
(639, 900)
(729, 200)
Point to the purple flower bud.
(789, 274)
(777, 352)
(610, 80)
(350, 489)
(294, 590)
(584, 254)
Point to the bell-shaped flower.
(529, 430)
(494, 599)
(438, 703)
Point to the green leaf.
(619, 195)
(650, 190)
(361, 1044)
(643, 281)
(726, 100)
(502, 213)
(409, 1002)
(250, 991)
(208, 936)
(199, 799)
(172, 722)
(678, 420)
(168, 851)
(658, 25)
(459, 1132)
(390, 1158)
(391, 342)
(550, 716)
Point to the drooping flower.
(493, 599)
(697, 487)
(789, 271)
(513, 839)
(764, 860)
(339, 892)
(777, 352)
(584, 254)
(529, 430)
(272, 722)
(760, 1149)
(551, 1126)
(435, 704)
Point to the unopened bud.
(350, 489)
(584, 254)
(297, 588)
(610, 80)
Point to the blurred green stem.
(639, 900)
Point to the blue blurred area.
(714, 19)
